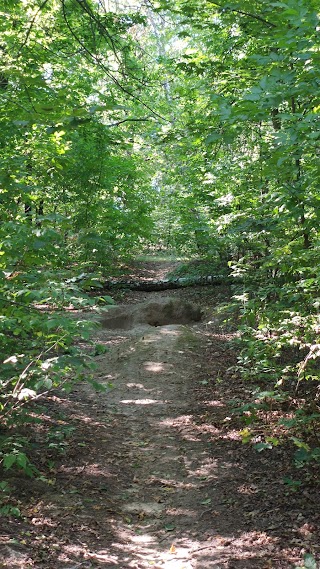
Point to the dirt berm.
(155, 313)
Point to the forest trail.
(155, 474)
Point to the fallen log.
(167, 284)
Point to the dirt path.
(155, 474)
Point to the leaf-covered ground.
(153, 472)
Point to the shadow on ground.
(155, 474)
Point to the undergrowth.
(198, 268)
(45, 347)
(279, 353)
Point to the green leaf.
(300, 444)
(97, 386)
(302, 456)
(4, 487)
(107, 299)
(273, 441)
(309, 562)
(169, 527)
(9, 510)
(20, 123)
(47, 383)
(100, 349)
(246, 436)
(206, 502)
(294, 484)
(262, 446)
(254, 95)
(9, 460)
(213, 137)
(22, 460)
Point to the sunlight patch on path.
(159, 512)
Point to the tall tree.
(244, 149)
(74, 191)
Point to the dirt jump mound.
(154, 313)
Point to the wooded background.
(187, 126)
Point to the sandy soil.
(155, 475)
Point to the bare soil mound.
(167, 310)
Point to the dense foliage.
(244, 150)
(74, 190)
(184, 124)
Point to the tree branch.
(255, 17)
(31, 25)
(126, 120)
(243, 13)
(93, 57)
